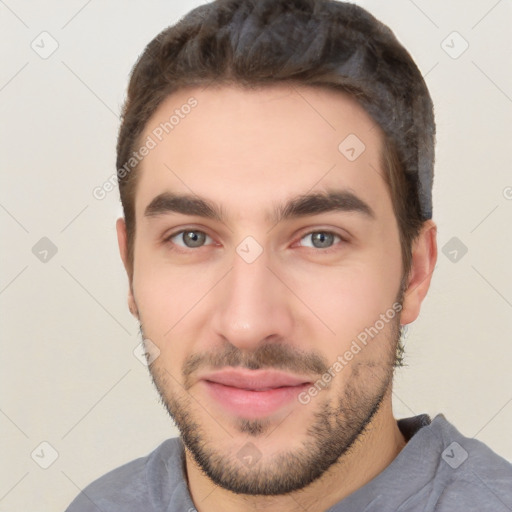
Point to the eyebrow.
(299, 206)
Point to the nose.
(253, 305)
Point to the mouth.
(253, 393)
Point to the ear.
(123, 251)
(424, 258)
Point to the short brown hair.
(326, 43)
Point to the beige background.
(68, 373)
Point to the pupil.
(194, 239)
(322, 240)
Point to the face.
(267, 271)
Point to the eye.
(190, 238)
(320, 239)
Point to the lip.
(255, 380)
(253, 393)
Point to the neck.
(371, 453)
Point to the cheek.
(342, 302)
(162, 296)
(171, 301)
(163, 291)
(156, 301)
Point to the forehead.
(244, 148)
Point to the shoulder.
(470, 475)
(126, 487)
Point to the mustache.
(269, 356)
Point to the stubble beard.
(336, 425)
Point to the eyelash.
(327, 250)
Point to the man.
(275, 164)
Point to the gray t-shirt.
(438, 470)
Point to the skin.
(248, 151)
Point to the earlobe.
(131, 305)
(424, 258)
(123, 251)
(122, 241)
